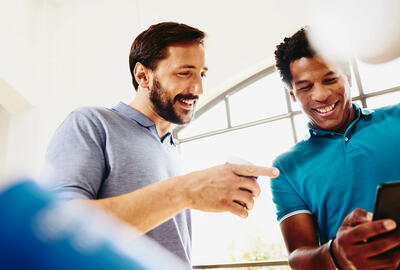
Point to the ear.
(141, 74)
(292, 95)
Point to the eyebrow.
(300, 82)
(191, 66)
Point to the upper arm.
(286, 196)
(74, 163)
(299, 231)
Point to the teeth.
(326, 109)
(188, 101)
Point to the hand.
(353, 251)
(228, 187)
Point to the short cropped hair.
(151, 45)
(291, 49)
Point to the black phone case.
(387, 203)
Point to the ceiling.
(48, 44)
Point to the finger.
(357, 216)
(244, 198)
(388, 260)
(250, 185)
(253, 170)
(238, 210)
(240, 203)
(364, 231)
(382, 244)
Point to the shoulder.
(388, 111)
(92, 112)
(86, 120)
(92, 116)
(292, 154)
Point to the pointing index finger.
(253, 170)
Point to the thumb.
(357, 216)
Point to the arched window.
(256, 120)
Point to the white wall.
(3, 139)
(64, 54)
(61, 55)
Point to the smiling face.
(324, 94)
(177, 82)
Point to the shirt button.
(346, 139)
(315, 133)
(332, 134)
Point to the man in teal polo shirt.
(335, 171)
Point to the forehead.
(307, 68)
(180, 55)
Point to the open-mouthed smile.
(326, 110)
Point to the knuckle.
(224, 202)
(358, 233)
(228, 167)
(378, 245)
(358, 211)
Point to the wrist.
(183, 190)
(332, 256)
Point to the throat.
(350, 118)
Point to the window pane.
(383, 100)
(219, 238)
(375, 77)
(264, 98)
(354, 87)
(295, 105)
(358, 102)
(213, 119)
(300, 122)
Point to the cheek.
(302, 100)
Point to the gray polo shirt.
(99, 153)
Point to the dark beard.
(163, 106)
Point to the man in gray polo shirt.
(125, 160)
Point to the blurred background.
(57, 55)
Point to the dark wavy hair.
(291, 49)
(150, 46)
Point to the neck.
(349, 120)
(143, 105)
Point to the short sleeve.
(286, 199)
(75, 163)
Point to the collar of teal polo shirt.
(326, 133)
(141, 119)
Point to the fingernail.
(275, 172)
(369, 215)
(389, 224)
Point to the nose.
(320, 93)
(197, 88)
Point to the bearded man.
(124, 159)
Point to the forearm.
(150, 206)
(311, 258)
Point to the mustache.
(188, 96)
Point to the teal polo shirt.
(329, 174)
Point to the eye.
(305, 88)
(203, 75)
(330, 80)
(184, 74)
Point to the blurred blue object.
(40, 232)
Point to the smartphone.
(387, 203)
